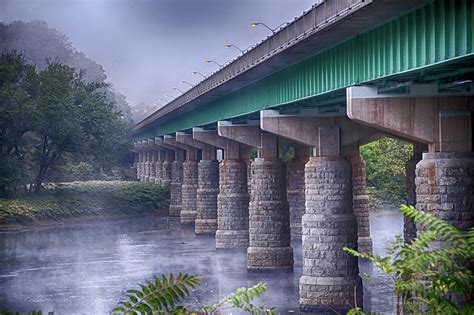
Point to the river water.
(84, 268)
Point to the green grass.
(76, 199)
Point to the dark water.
(85, 268)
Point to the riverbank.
(84, 199)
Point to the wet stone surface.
(85, 268)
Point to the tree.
(52, 116)
(18, 113)
(42, 45)
(385, 168)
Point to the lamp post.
(215, 62)
(176, 89)
(187, 82)
(273, 30)
(197, 72)
(236, 47)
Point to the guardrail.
(318, 17)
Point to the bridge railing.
(319, 16)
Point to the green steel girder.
(429, 37)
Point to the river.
(84, 268)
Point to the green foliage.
(54, 117)
(74, 199)
(432, 273)
(241, 299)
(159, 296)
(165, 295)
(385, 168)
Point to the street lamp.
(176, 89)
(238, 48)
(197, 72)
(167, 95)
(187, 82)
(273, 30)
(212, 61)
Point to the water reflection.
(84, 268)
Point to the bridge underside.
(410, 78)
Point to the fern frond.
(158, 296)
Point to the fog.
(148, 47)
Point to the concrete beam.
(304, 129)
(191, 152)
(179, 154)
(444, 122)
(232, 149)
(248, 134)
(208, 151)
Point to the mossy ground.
(75, 199)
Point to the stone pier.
(409, 227)
(153, 159)
(444, 187)
(140, 162)
(159, 166)
(233, 199)
(176, 183)
(207, 186)
(269, 217)
(146, 166)
(360, 202)
(167, 174)
(295, 189)
(330, 276)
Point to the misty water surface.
(85, 268)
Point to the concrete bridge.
(345, 73)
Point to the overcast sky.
(148, 46)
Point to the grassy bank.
(76, 199)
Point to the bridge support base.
(360, 203)
(329, 274)
(444, 187)
(269, 222)
(159, 172)
(233, 205)
(176, 188)
(166, 173)
(207, 191)
(295, 191)
(409, 227)
(189, 192)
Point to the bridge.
(345, 73)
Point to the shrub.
(431, 274)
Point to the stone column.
(444, 187)
(207, 191)
(269, 219)
(176, 184)
(189, 190)
(139, 165)
(152, 177)
(295, 190)
(146, 175)
(409, 227)
(330, 276)
(233, 201)
(167, 169)
(159, 167)
(360, 202)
